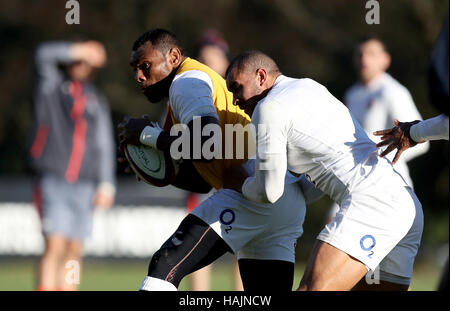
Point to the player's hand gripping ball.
(154, 166)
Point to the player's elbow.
(42, 53)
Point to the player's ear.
(175, 57)
(262, 76)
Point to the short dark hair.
(212, 37)
(372, 37)
(161, 39)
(252, 60)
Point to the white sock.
(154, 284)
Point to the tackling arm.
(267, 186)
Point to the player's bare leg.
(70, 266)
(51, 261)
(237, 276)
(330, 269)
(200, 279)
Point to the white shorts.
(254, 230)
(381, 227)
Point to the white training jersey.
(377, 104)
(303, 128)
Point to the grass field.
(126, 275)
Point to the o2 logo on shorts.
(226, 218)
(368, 242)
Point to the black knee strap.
(193, 246)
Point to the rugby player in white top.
(377, 98)
(302, 127)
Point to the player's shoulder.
(285, 86)
(191, 78)
(354, 94)
(278, 97)
(270, 111)
(268, 105)
(299, 82)
(191, 82)
(308, 84)
(353, 90)
(392, 87)
(287, 91)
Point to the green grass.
(126, 275)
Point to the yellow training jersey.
(213, 171)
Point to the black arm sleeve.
(189, 179)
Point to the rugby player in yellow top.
(262, 235)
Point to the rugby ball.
(153, 166)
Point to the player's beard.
(249, 105)
(158, 91)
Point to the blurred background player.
(72, 154)
(377, 99)
(212, 50)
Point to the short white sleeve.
(191, 95)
